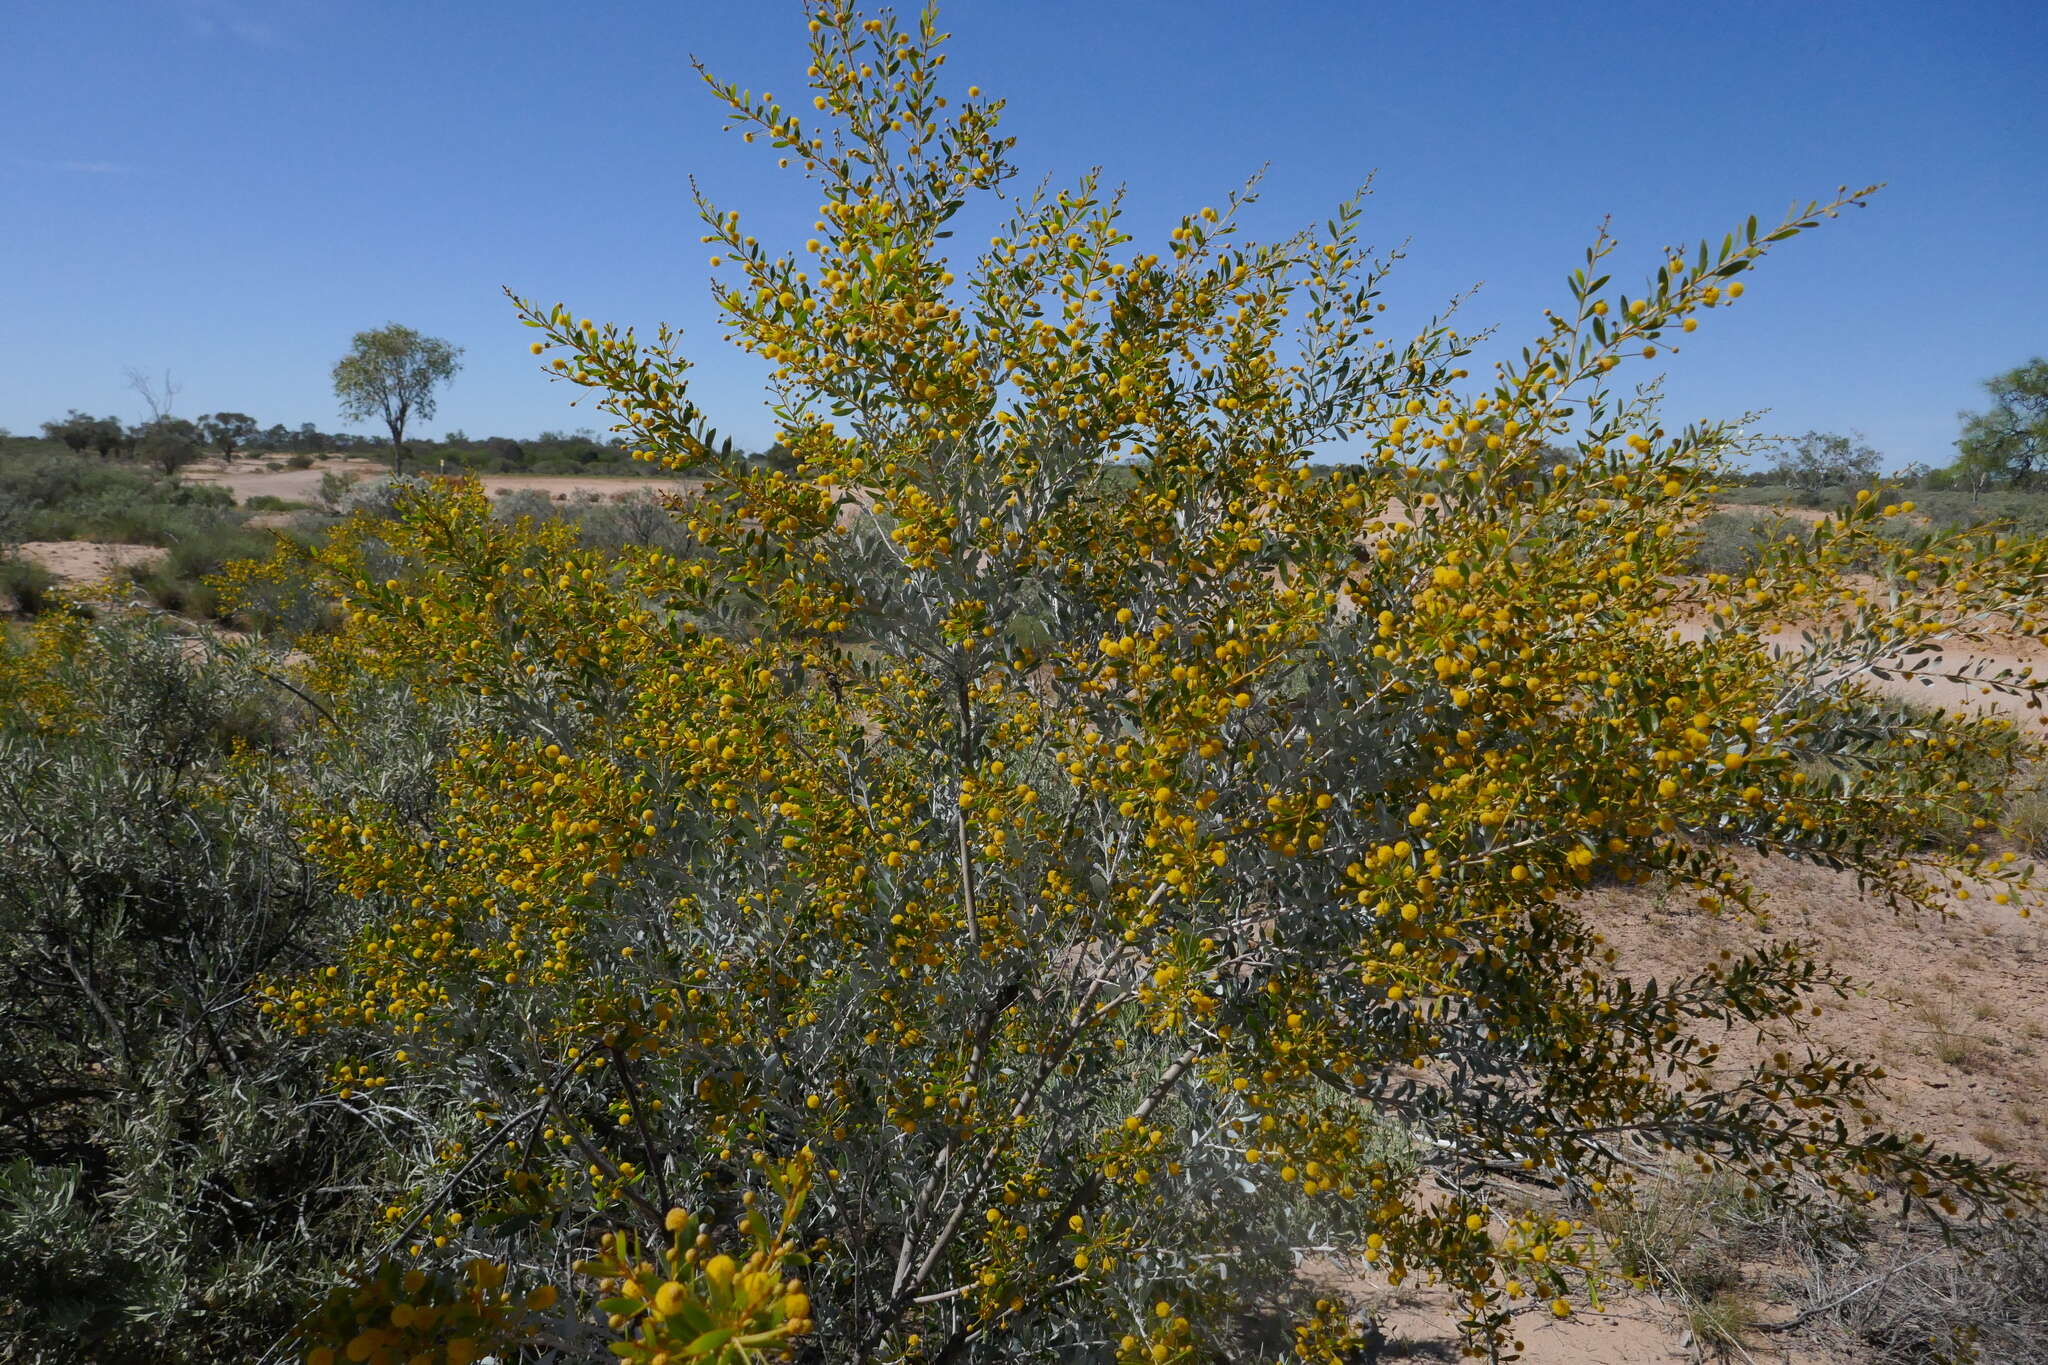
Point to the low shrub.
(25, 584)
(515, 503)
(47, 498)
(180, 581)
(208, 550)
(171, 1185)
(42, 493)
(635, 518)
(1730, 542)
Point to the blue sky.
(231, 188)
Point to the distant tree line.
(172, 442)
(169, 443)
(2004, 446)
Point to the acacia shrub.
(1048, 856)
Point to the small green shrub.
(181, 596)
(1730, 542)
(300, 462)
(179, 582)
(27, 585)
(209, 550)
(515, 503)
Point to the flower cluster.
(400, 1316)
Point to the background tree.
(2010, 440)
(1977, 466)
(109, 437)
(169, 443)
(226, 431)
(75, 429)
(1821, 459)
(391, 374)
(160, 396)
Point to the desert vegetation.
(1048, 861)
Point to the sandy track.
(1761, 511)
(248, 478)
(81, 562)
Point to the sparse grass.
(1913, 1297)
(1722, 1322)
(1909, 1301)
(1734, 1265)
(1686, 1236)
(1960, 1051)
(2026, 820)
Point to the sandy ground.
(1812, 516)
(1630, 1332)
(1954, 1007)
(248, 478)
(81, 562)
